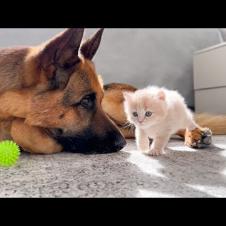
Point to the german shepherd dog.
(52, 99)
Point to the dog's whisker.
(128, 125)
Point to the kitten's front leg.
(142, 140)
(158, 145)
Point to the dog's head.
(68, 101)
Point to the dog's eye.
(88, 101)
(148, 114)
(135, 114)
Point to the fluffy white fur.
(157, 113)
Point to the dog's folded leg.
(5, 127)
(33, 139)
(15, 104)
(197, 138)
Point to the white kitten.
(157, 113)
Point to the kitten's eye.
(148, 114)
(135, 114)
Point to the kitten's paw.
(154, 152)
(144, 151)
(198, 138)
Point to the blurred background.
(139, 57)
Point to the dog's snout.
(114, 141)
(102, 136)
(87, 142)
(120, 144)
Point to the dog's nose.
(113, 142)
(120, 144)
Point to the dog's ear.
(63, 49)
(60, 55)
(90, 47)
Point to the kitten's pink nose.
(140, 120)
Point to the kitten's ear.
(161, 95)
(127, 95)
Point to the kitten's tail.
(217, 123)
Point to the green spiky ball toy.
(9, 153)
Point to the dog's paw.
(198, 138)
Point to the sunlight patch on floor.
(181, 147)
(153, 194)
(224, 172)
(219, 141)
(146, 164)
(223, 153)
(214, 191)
